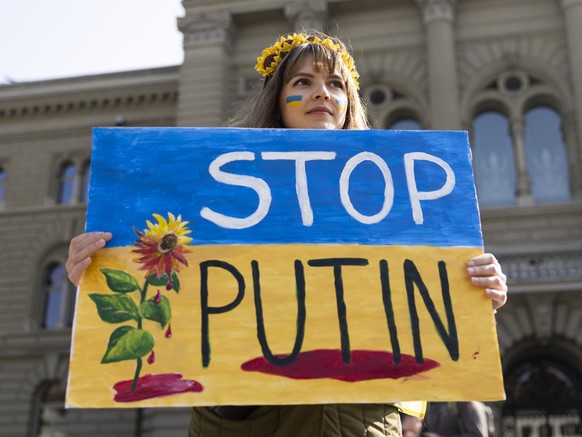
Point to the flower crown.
(272, 56)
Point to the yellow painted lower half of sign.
(356, 318)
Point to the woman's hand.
(485, 272)
(81, 249)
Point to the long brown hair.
(261, 110)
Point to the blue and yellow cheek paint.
(341, 103)
(292, 101)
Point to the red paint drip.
(152, 358)
(327, 363)
(155, 386)
(168, 333)
(158, 298)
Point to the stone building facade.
(509, 72)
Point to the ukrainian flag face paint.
(293, 101)
(341, 103)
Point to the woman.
(310, 83)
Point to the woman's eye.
(302, 82)
(337, 84)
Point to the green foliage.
(115, 308)
(158, 312)
(120, 281)
(158, 282)
(163, 281)
(128, 343)
(175, 282)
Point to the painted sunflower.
(162, 246)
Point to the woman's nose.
(322, 92)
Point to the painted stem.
(136, 376)
(143, 293)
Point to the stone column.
(203, 87)
(574, 154)
(306, 15)
(523, 183)
(573, 19)
(438, 18)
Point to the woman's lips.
(320, 110)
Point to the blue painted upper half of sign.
(283, 186)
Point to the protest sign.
(281, 267)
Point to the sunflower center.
(168, 243)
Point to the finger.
(493, 282)
(81, 249)
(498, 297)
(86, 244)
(89, 249)
(485, 270)
(79, 256)
(88, 237)
(81, 241)
(76, 273)
(483, 259)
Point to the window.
(58, 297)
(49, 415)
(394, 106)
(493, 159)
(67, 177)
(379, 96)
(72, 180)
(546, 155)
(2, 185)
(529, 385)
(519, 142)
(86, 176)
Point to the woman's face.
(314, 98)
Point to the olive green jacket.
(333, 420)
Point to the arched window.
(546, 155)
(86, 176)
(493, 160)
(529, 385)
(49, 412)
(405, 123)
(2, 185)
(67, 178)
(58, 298)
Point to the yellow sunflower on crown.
(272, 56)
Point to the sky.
(51, 39)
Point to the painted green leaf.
(120, 281)
(158, 282)
(158, 312)
(175, 282)
(115, 308)
(128, 343)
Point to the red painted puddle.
(327, 363)
(155, 386)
